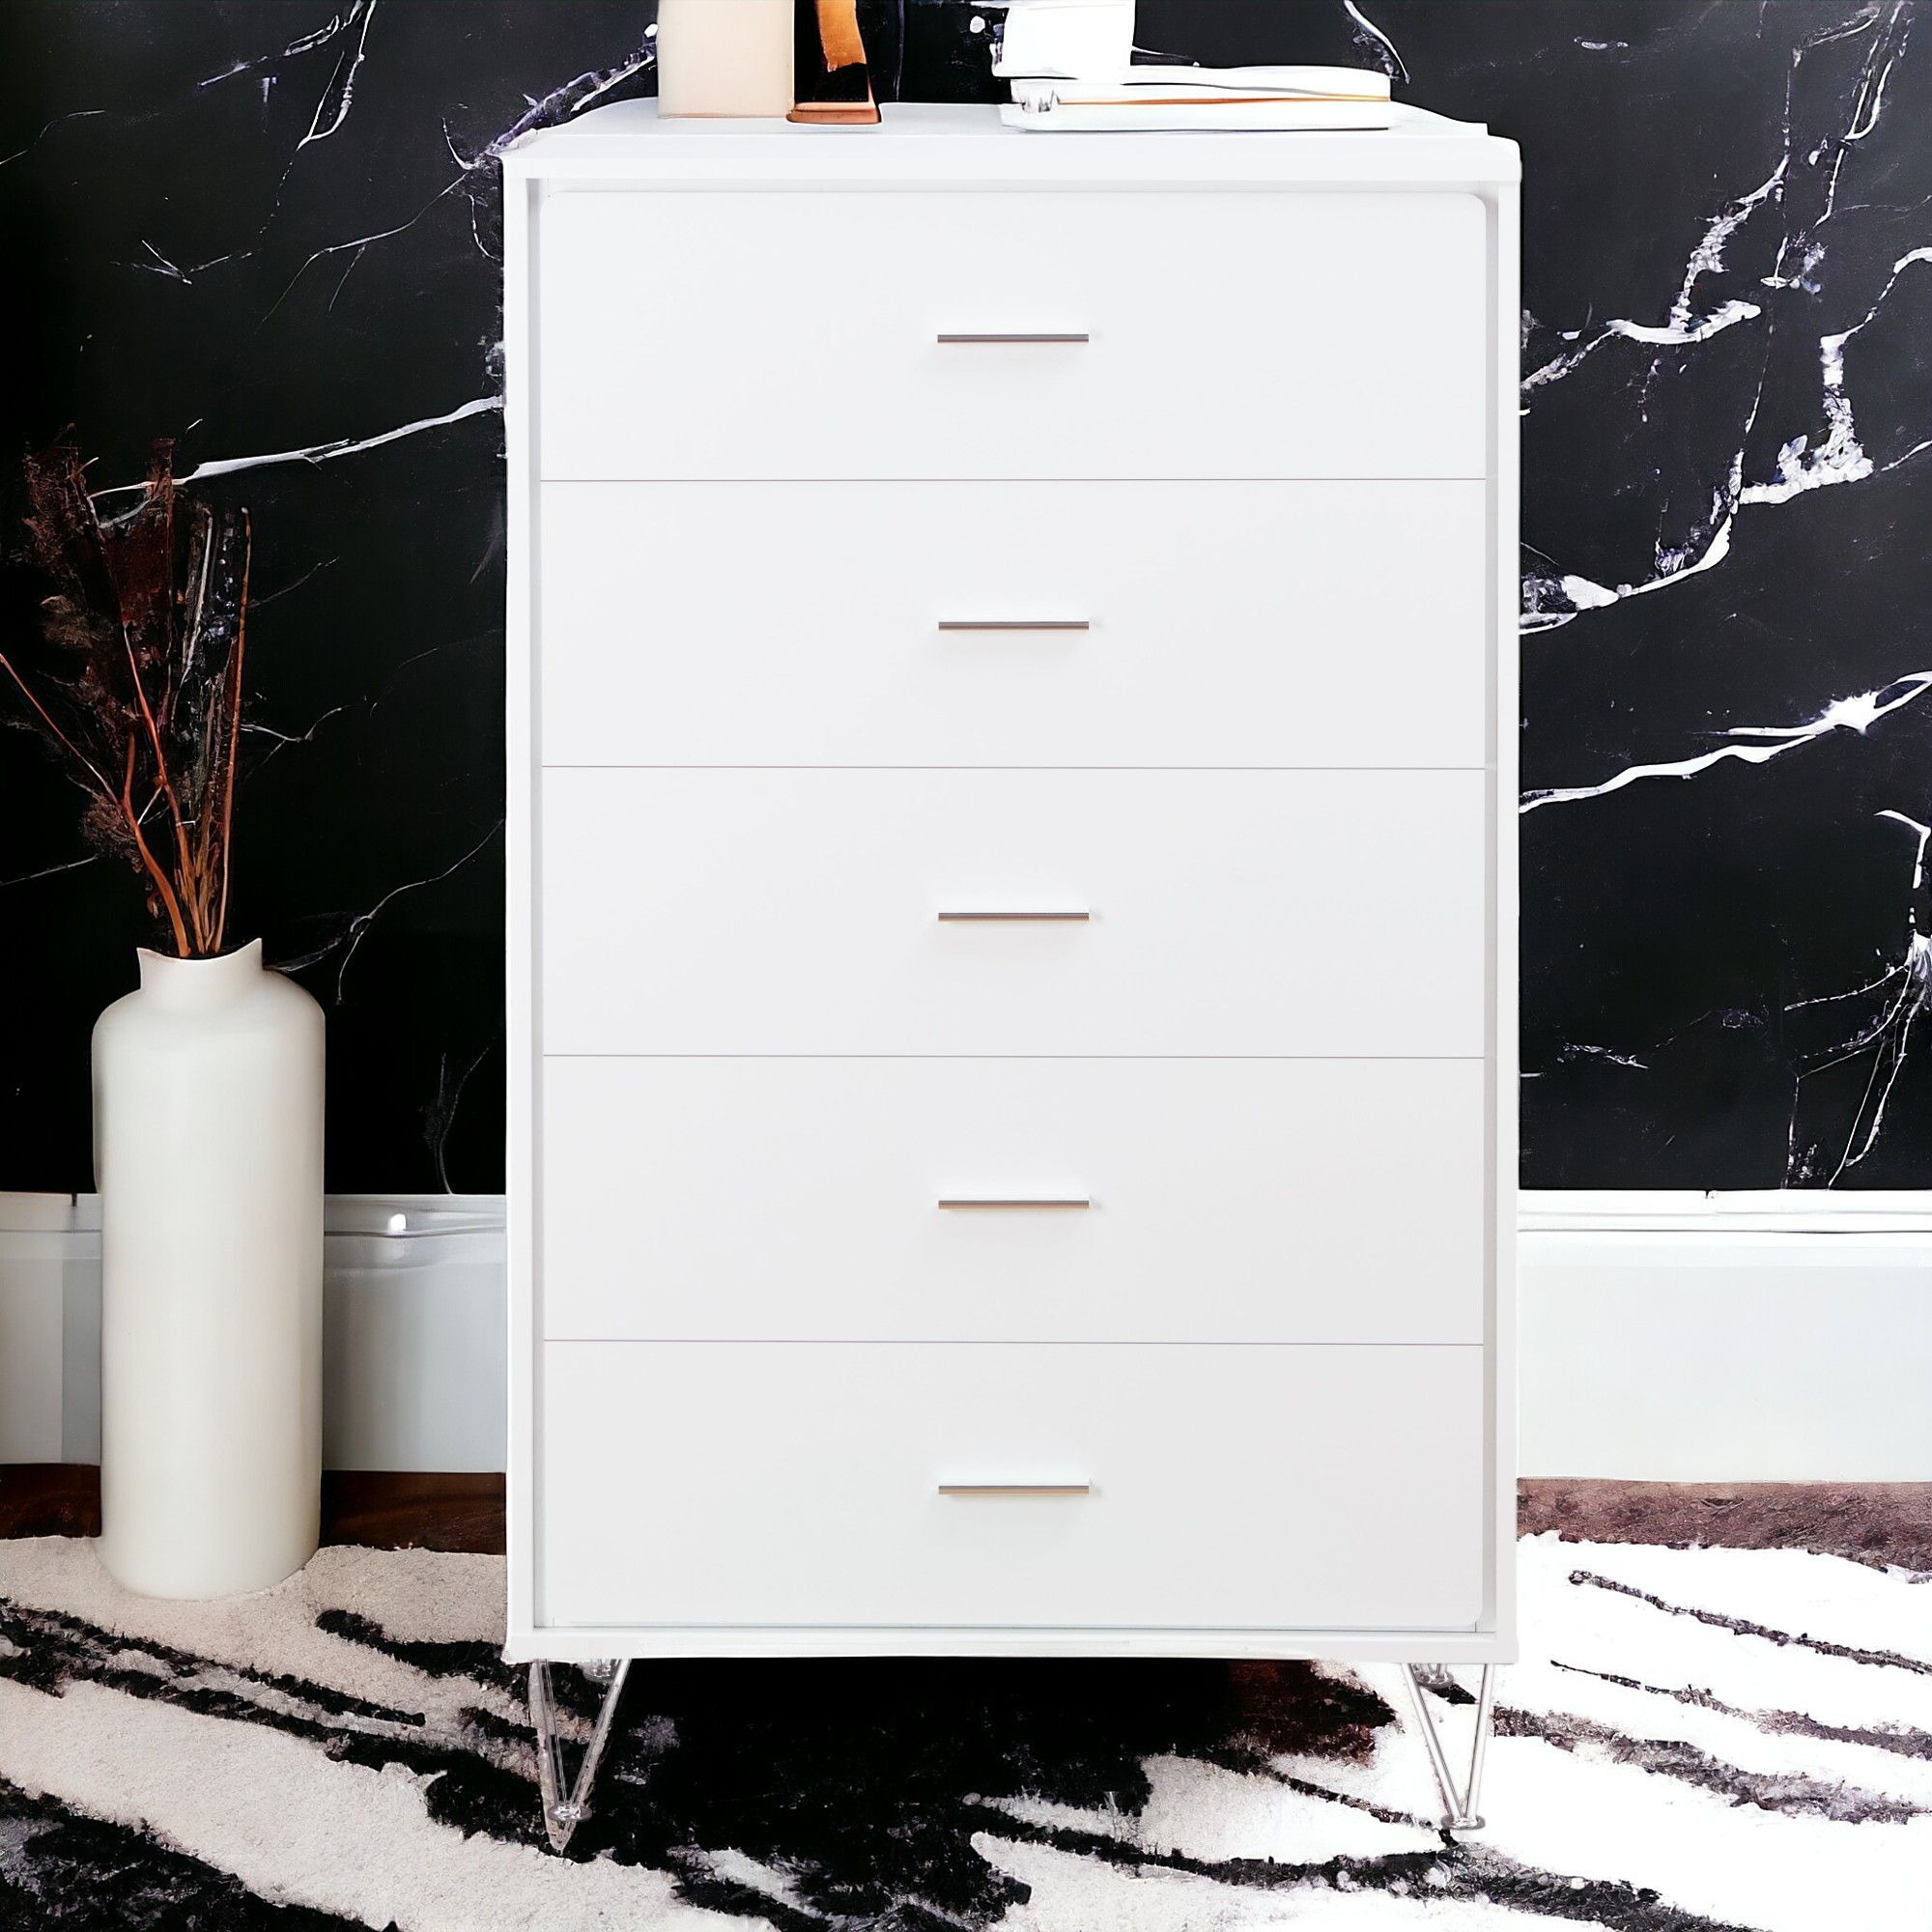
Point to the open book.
(1243, 99)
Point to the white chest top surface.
(927, 142)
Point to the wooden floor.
(1871, 1522)
(379, 1509)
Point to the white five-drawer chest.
(1011, 726)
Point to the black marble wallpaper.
(271, 230)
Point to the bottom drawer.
(845, 1486)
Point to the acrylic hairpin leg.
(1459, 1804)
(567, 1804)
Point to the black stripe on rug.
(62, 1872)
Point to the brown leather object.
(834, 83)
(839, 36)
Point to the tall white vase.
(208, 1086)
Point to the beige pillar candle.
(725, 57)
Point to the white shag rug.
(1696, 1739)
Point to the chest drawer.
(1262, 1488)
(1164, 913)
(1224, 334)
(1014, 624)
(896, 1199)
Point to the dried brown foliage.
(138, 678)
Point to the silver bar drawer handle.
(1015, 335)
(1016, 1488)
(1015, 624)
(1018, 1200)
(1079, 916)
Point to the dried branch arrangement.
(138, 680)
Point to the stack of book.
(1244, 99)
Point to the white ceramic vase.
(208, 1092)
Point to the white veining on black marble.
(332, 109)
(558, 104)
(1554, 599)
(1706, 929)
(51, 871)
(1840, 458)
(440, 1115)
(316, 452)
(58, 121)
(355, 930)
(1902, 994)
(1375, 44)
(1857, 713)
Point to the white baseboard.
(413, 1331)
(1727, 1337)
(1682, 1338)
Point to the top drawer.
(686, 334)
